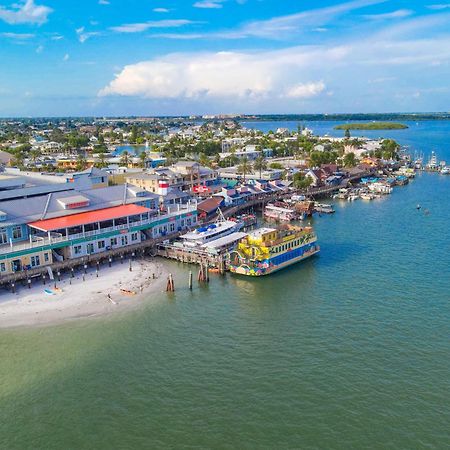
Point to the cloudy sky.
(154, 57)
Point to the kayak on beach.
(127, 292)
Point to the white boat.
(324, 208)
(352, 197)
(380, 188)
(342, 194)
(208, 233)
(445, 170)
(367, 196)
(432, 162)
(280, 213)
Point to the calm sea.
(349, 350)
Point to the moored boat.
(324, 208)
(281, 213)
(268, 250)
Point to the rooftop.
(88, 217)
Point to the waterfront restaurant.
(56, 227)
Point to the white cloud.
(18, 36)
(439, 7)
(27, 12)
(161, 10)
(306, 90)
(84, 35)
(208, 4)
(284, 26)
(66, 57)
(399, 14)
(140, 27)
(218, 75)
(103, 2)
(40, 49)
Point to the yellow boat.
(267, 250)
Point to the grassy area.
(371, 126)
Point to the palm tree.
(102, 161)
(34, 154)
(143, 158)
(245, 167)
(81, 162)
(125, 158)
(260, 164)
(204, 160)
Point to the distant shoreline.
(413, 117)
(372, 126)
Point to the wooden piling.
(170, 284)
(190, 280)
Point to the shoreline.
(94, 297)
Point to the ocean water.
(347, 350)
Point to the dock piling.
(170, 284)
(190, 280)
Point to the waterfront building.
(184, 175)
(59, 226)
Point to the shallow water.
(349, 349)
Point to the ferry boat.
(268, 250)
(208, 233)
(276, 212)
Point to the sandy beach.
(80, 299)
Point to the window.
(17, 232)
(3, 236)
(2, 267)
(172, 227)
(101, 244)
(46, 257)
(134, 237)
(35, 261)
(124, 240)
(77, 249)
(113, 241)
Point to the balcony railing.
(42, 241)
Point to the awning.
(85, 218)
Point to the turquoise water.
(347, 350)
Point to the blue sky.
(155, 57)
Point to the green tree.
(134, 134)
(389, 149)
(300, 181)
(350, 160)
(260, 164)
(204, 160)
(35, 153)
(102, 161)
(143, 159)
(347, 134)
(244, 167)
(81, 162)
(276, 165)
(125, 158)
